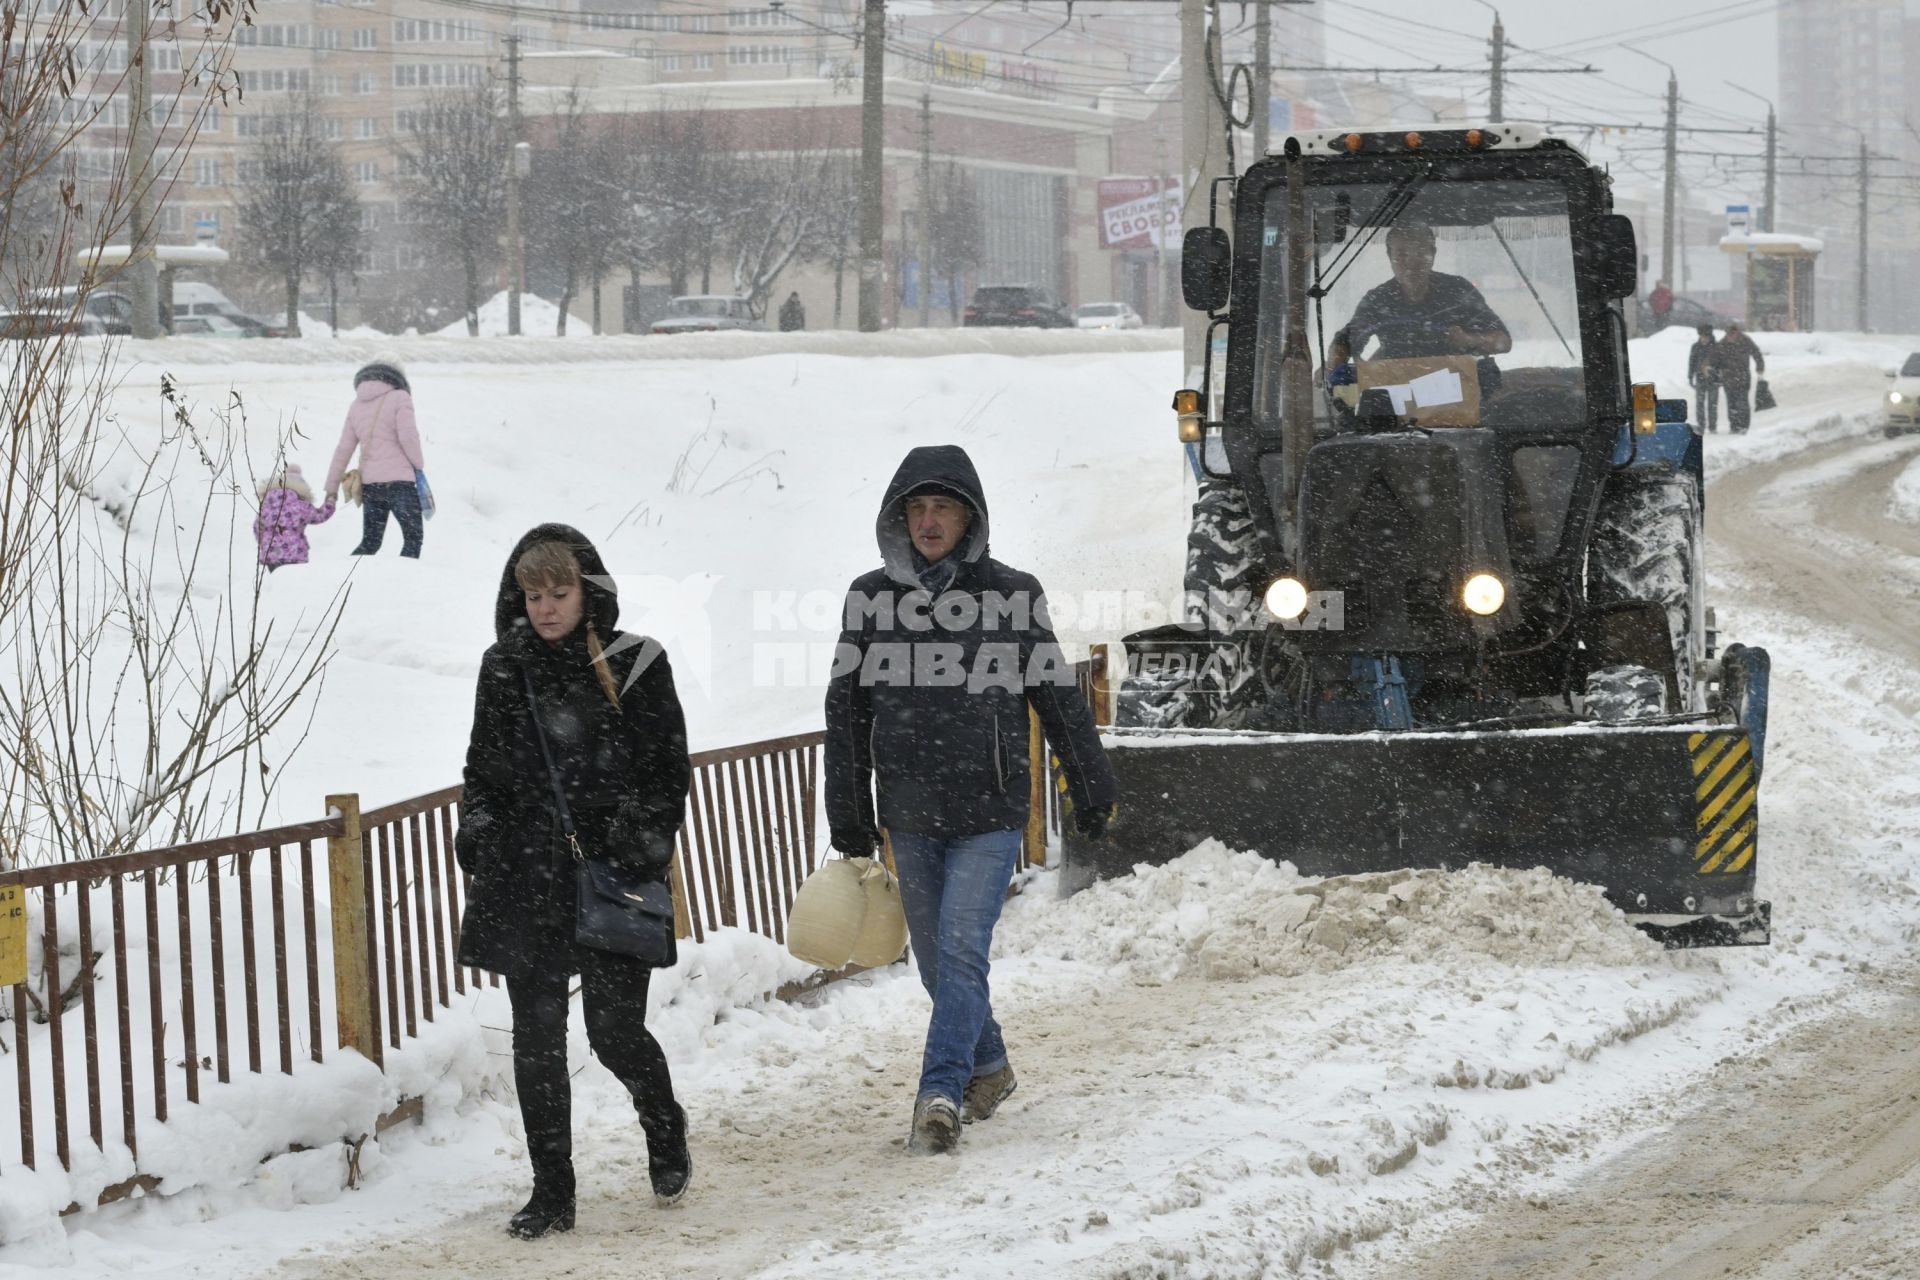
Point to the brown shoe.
(985, 1094)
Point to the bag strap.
(553, 774)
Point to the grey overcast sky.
(1707, 41)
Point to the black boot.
(669, 1163)
(551, 1207)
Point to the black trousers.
(401, 499)
(614, 991)
(1706, 404)
(1739, 406)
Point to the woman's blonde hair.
(546, 565)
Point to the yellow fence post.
(347, 905)
(1102, 656)
(1036, 837)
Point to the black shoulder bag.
(619, 910)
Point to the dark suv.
(1015, 304)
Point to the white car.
(1903, 398)
(209, 326)
(707, 313)
(1106, 315)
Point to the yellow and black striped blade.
(1726, 790)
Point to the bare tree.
(954, 234)
(683, 191)
(148, 695)
(296, 202)
(784, 210)
(340, 235)
(454, 170)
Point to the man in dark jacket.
(793, 313)
(944, 650)
(1729, 362)
(619, 744)
(1703, 379)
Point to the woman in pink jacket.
(380, 425)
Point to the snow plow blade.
(1665, 818)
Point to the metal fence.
(217, 943)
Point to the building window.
(332, 128)
(366, 172)
(170, 219)
(327, 39)
(328, 86)
(206, 171)
(366, 37)
(366, 129)
(363, 82)
(247, 170)
(210, 122)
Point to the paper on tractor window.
(1402, 394)
(1432, 390)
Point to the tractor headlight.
(1287, 599)
(1484, 594)
(1894, 397)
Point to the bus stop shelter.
(169, 257)
(1779, 278)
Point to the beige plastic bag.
(848, 911)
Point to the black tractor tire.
(1646, 545)
(1227, 559)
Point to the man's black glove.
(1092, 823)
(858, 843)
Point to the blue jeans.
(952, 891)
(401, 500)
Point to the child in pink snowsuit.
(286, 509)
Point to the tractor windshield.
(1456, 297)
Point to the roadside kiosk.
(1779, 278)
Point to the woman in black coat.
(619, 743)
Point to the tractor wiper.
(1390, 209)
(1538, 301)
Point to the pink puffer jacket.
(380, 425)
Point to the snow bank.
(1903, 502)
(537, 316)
(1229, 915)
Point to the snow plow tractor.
(1444, 585)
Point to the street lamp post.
(1766, 218)
(1673, 159)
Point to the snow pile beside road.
(1903, 502)
(1229, 915)
(537, 316)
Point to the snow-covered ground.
(1225, 1070)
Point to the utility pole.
(1766, 210)
(1262, 105)
(1203, 149)
(143, 273)
(1673, 174)
(873, 31)
(1863, 234)
(926, 208)
(1495, 112)
(513, 185)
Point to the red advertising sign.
(1133, 209)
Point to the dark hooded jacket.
(949, 755)
(624, 769)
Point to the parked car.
(1021, 305)
(101, 311)
(707, 313)
(1903, 398)
(214, 326)
(195, 299)
(1106, 315)
(37, 323)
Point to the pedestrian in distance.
(943, 652)
(1660, 304)
(793, 314)
(380, 426)
(1704, 381)
(612, 725)
(1732, 357)
(286, 509)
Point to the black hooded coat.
(624, 769)
(950, 758)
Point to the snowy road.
(1803, 1158)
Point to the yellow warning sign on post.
(13, 936)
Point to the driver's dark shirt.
(1409, 328)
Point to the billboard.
(1132, 209)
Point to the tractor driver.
(1420, 311)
